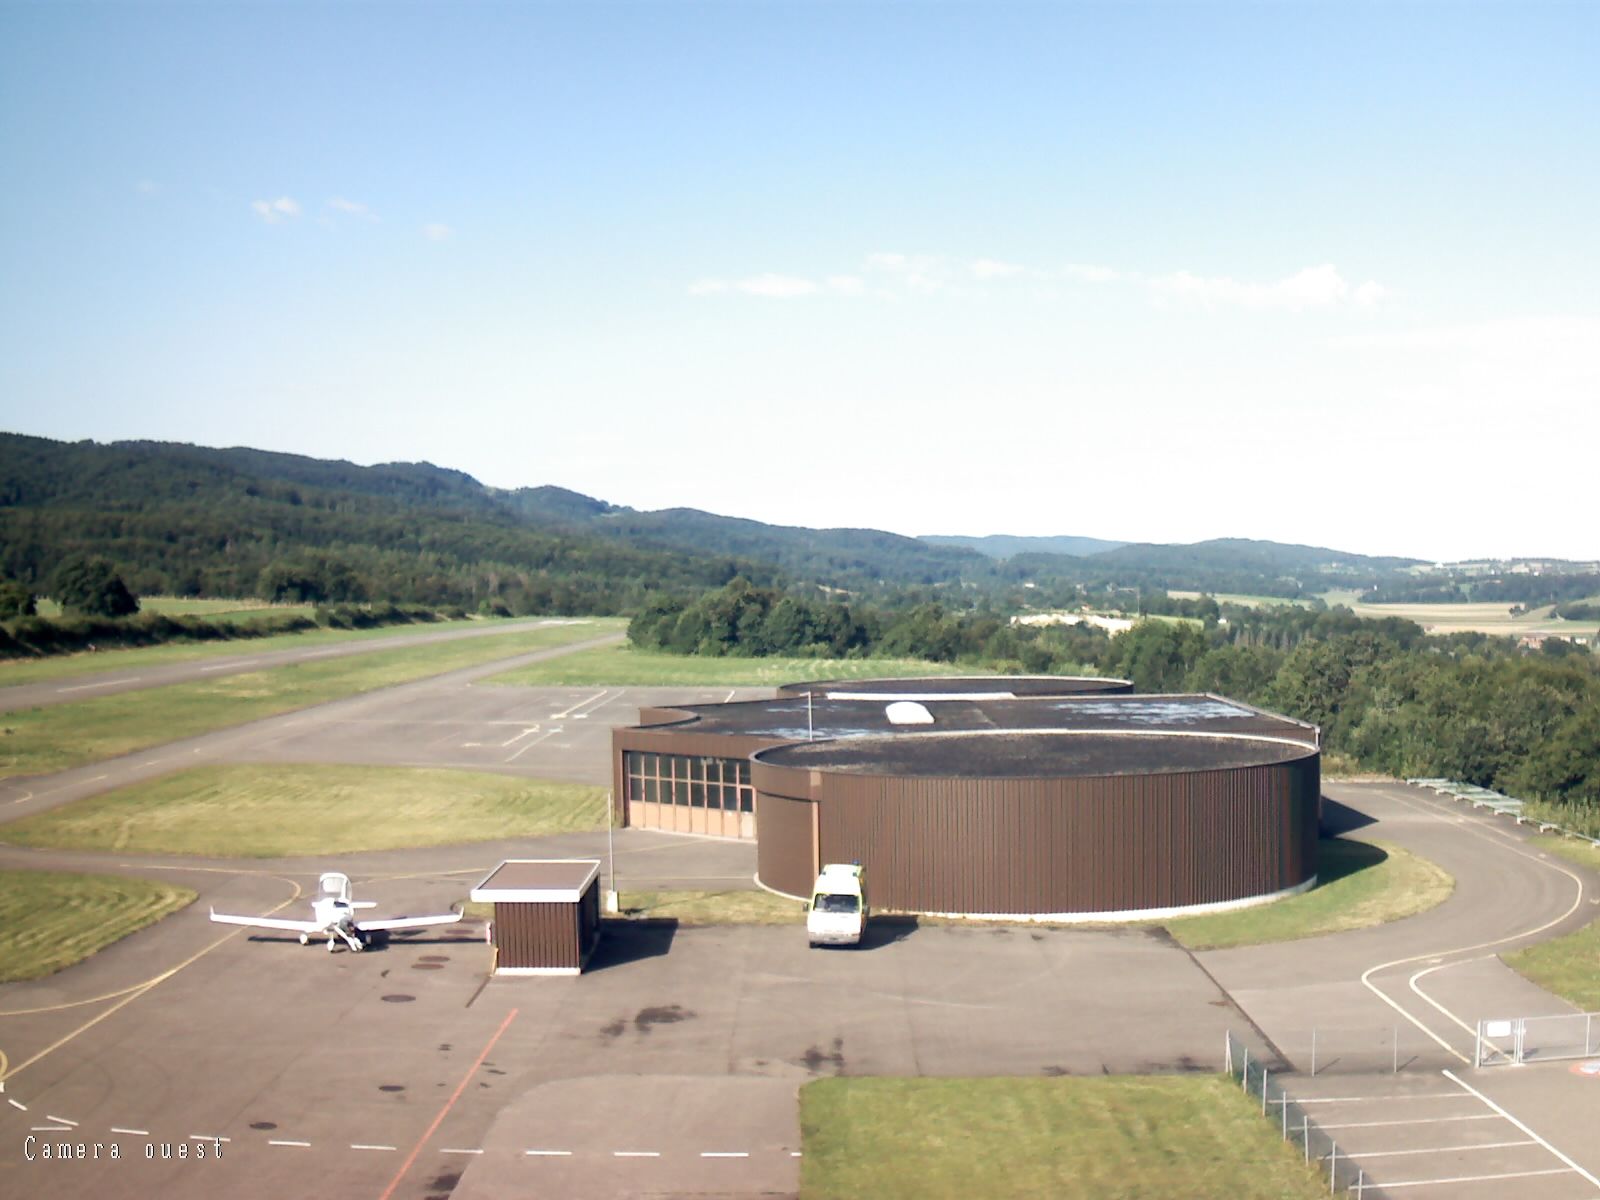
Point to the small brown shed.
(546, 914)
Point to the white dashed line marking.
(207, 1137)
(130, 1132)
(794, 1154)
(636, 1154)
(16, 1104)
(1364, 1155)
(83, 687)
(1416, 1121)
(548, 1153)
(448, 1150)
(724, 1154)
(276, 1142)
(51, 1129)
(363, 1146)
(59, 1120)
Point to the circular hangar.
(960, 687)
(1091, 823)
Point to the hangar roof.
(1035, 753)
(786, 718)
(997, 686)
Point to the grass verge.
(1359, 885)
(52, 919)
(1193, 1136)
(1565, 965)
(622, 665)
(289, 811)
(14, 672)
(714, 908)
(42, 740)
(1584, 854)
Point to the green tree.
(16, 600)
(92, 586)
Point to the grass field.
(229, 610)
(15, 671)
(40, 740)
(1112, 1138)
(1465, 618)
(1585, 854)
(289, 811)
(1241, 599)
(1359, 885)
(51, 919)
(622, 665)
(1569, 966)
(715, 908)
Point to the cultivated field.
(1110, 1138)
(290, 811)
(52, 919)
(1468, 618)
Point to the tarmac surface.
(109, 682)
(672, 1066)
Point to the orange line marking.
(449, 1104)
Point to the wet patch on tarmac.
(398, 998)
(662, 1014)
(391, 1087)
(264, 1126)
(427, 966)
(814, 1059)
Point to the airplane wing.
(268, 923)
(410, 922)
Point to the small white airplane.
(333, 914)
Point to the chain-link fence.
(1511, 1040)
(1295, 1124)
(1363, 1050)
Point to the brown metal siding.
(785, 860)
(1106, 844)
(539, 935)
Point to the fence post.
(1333, 1164)
(1285, 1107)
(1305, 1135)
(1264, 1075)
(1244, 1075)
(1361, 1182)
(1227, 1051)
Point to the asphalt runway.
(672, 1067)
(133, 679)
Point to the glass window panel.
(651, 764)
(650, 789)
(713, 770)
(680, 791)
(697, 770)
(747, 800)
(697, 794)
(744, 771)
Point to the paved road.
(136, 678)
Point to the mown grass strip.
(52, 919)
(14, 671)
(1359, 885)
(1110, 1138)
(1565, 965)
(742, 907)
(622, 665)
(292, 811)
(43, 740)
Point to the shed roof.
(538, 880)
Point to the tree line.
(1387, 697)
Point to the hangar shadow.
(1340, 818)
(626, 940)
(1338, 858)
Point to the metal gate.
(1504, 1041)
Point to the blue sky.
(1320, 273)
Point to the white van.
(837, 913)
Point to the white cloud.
(992, 268)
(273, 211)
(769, 285)
(1090, 273)
(438, 233)
(352, 208)
(1313, 287)
(918, 272)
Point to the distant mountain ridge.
(1006, 545)
(197, 520)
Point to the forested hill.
(189, 520)
(1005, 545)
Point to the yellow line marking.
(129, 995)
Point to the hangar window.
(695, 781)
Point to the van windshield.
(837, 904)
